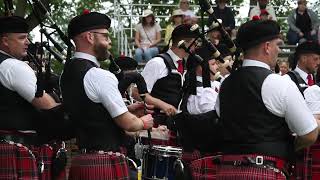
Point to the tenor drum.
(161, 162)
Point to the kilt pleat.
(188, 157)
(17, 163)
(307, 164)
(44, 154)
(99, 167)
(203, 169)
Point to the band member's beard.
(101, 52)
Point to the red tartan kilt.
(17, 163)
(231, 172)
(98, 167)
(315, 155)
(45, 154)
(203, 169)
(188, 157)
(308, 163)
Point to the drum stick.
(143, 96)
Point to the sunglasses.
(106, 34)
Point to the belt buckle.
(259, 160)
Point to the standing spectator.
(147, 37)
(263, 5)
(221, 11)
(189, 16)
(176, 19)
(303, 24)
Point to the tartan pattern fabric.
(307, 165)
(63, 174)
(17, 162)
(97, 166)
(44, 154)
(315, 161)
(203, 169)
(188, 157)
(231, 172)
(301, 168)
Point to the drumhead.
(167, 150)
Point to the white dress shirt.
(302, 74)
(101, 86)
(256, 11)
(312, 97)
(205, 99)
(19, 77)
(188, 13)
(156, 69)
(282, 98)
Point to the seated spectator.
(189, 15)
(303, 24)
(221, 11)
(176, 19)
(147, 37)
(263, 5)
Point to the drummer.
(164, 75)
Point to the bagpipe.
(50, 121)
(193, 128)
(52, 125)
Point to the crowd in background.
(303, 24)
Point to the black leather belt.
(249, 161)
(25, 140)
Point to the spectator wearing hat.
(306, 62)
(147, 37)
(263, 5)
(221, 11)
(93, 101)
(259, 109)
(189, 15)
(176, 19)
(303, 24)
(19, 105)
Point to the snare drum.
(160, 162)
